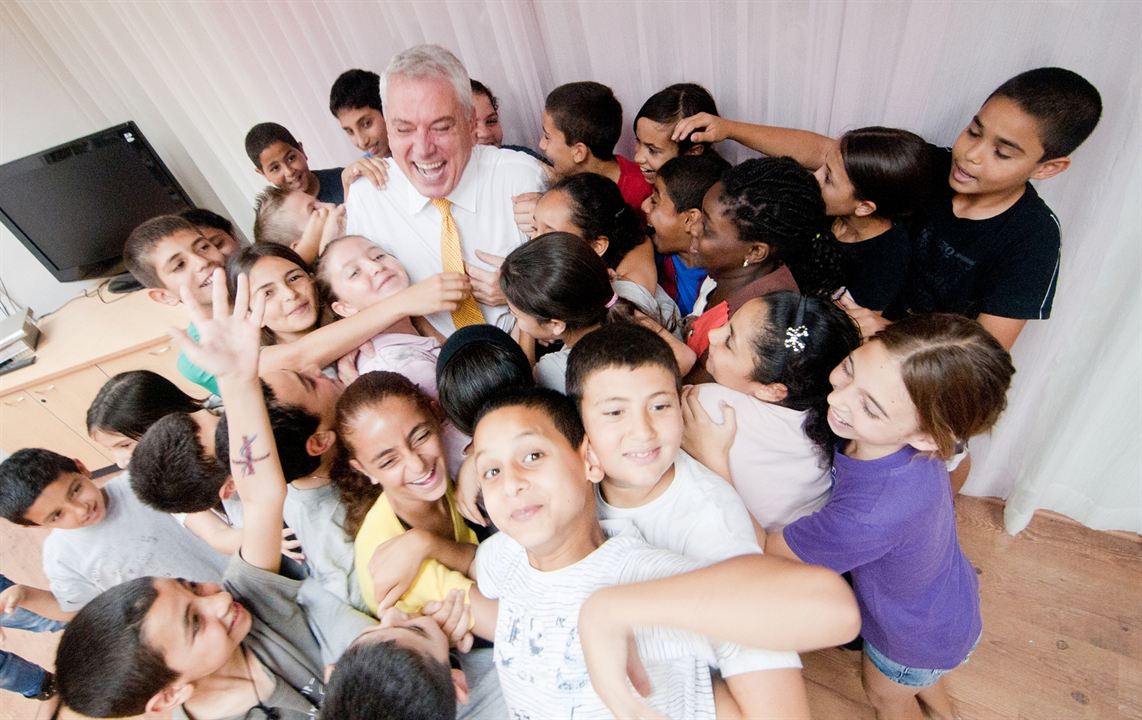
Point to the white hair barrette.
(795, 337)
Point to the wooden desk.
(81, 346)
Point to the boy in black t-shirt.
(988, 246)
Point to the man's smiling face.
(430, 133)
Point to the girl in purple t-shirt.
(900, 403)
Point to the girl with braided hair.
(761, 231)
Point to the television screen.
(74, 205)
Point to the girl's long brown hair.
(356, 491)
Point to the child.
(655, 121)
(392, 480)
(590, 206)
(872, 179)
(900, 403)
(625, 381)
(294, 340)
(760, 219)
(281, 160)
(986, 246)
(173, 469)
(296, 220)
(476, 362)
(162, 644)
(771, 363)
(130, 403)
(355, 100)
(353, 274)
(558, 289)
(582, 122)
(673, 212)
(302, 420)
(215, 228)
(536, 472)
(165, 254)
(488, 130)
(100, 537)
(33, 610)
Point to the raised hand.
(230, 339)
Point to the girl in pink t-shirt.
(771, 365)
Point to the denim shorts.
(904, 675)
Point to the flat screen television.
(74, 205)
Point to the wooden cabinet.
(83, 344)
(162, 359)
(25, 423)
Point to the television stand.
(124, 283)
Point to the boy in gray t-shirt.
(100, 536)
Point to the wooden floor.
(1062, 613)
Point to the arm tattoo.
(246, 458)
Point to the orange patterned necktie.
(453, 260)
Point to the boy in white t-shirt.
(535, 471)
(626, 383)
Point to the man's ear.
(580, 153)
(164, 296)
(591, 461)
(695, 150)
(343, 309)
(319, 442)
(769, 392)
(691, 216)
(864, 208)
(1051, 168)
(460, 683)
(600, 245)
(169, 698)
(228, 488)
(82, 468)
(258, 169)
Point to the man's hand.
(612, 658)
(229, 340)
(486, 283)
(373, 168)
(334, 227)
(523, 206)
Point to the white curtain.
(197, 75)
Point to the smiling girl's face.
(653, 146)
(397, 445)
(871, 406)
(360, 274)
(291, 297)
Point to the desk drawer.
(161, 358)
(25, 422)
